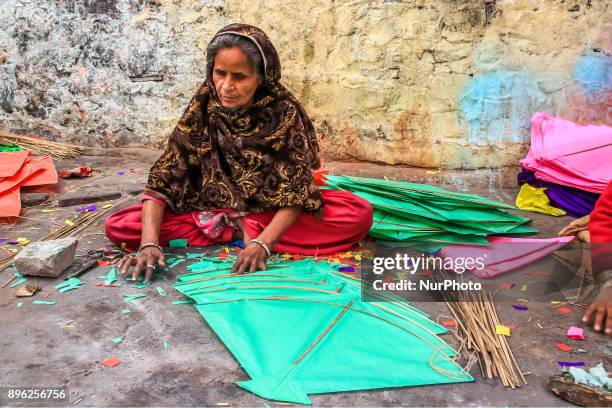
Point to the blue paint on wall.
(594, 72)
(498, 106)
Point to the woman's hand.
(147, 260)
(600, 311)
(252, 258)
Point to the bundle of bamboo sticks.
(40, 147)
(477, 319)
(82, 222)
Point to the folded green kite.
(406, 213)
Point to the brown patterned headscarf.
(251, 160)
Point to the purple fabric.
(575, 202)
(571, 363)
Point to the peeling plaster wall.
(426, 83)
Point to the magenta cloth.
(576, 203)
(346, 220)
(505, 254)
(569, 154)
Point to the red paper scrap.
(448, 323)
(563, 347)
(565, 310)
(111, 362)
(103, 263)
(507, 285)
(538, 273)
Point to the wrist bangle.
(148, 245)
(261, 244)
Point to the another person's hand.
(600, 311)
(252, 258)
(578, 227)
(146, 261)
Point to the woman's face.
(234, 78)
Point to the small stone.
(32, 199)
(574, 7)
(46, 258)
(88, 195)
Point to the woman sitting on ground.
(238, 166)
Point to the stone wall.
(438, 83)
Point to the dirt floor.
(63, 344)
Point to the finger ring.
(151, 266)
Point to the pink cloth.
(566, 153)
(505, 254)
(346, 220)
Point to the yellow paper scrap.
(358, 257)
(433, 172)
(47, 210)
(524, 288)
(107, 206)
(523, 300)
(69, 223)
(555, 302)
(503, 330)
(23, 241)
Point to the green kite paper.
(408, 212)
(301, 328)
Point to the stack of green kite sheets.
(302, 328)
(408, 212)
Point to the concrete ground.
(62, 344)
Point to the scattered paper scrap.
(507, 285)
(563, 347)
(43, 302)
(132, 298)
(107, 206)
(161, 291)
(524, 288)
(503, 330)
(70, 284)
(538, 273)
(125, 310)
(520, 307)
(165, 345)
(178, 243)
(575, 333)
(571, 363)
(68, 222)
(19, 304)
(117, 340)
(565, 310)
(183, 302)
(111, 362)
(19, 282)
(448, 323)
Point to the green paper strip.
(117, 340)
(142, 285)
(161, 291)
(165, 345)
(19, 282)
(125, 310)
(43, 302)
(178, 243)
(19, 304)
(111, 276)
(183, 302)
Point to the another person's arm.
(253, 257)
(152, 214)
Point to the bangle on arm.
(147, 245)
(261, 244)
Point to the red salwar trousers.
(346, 221)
